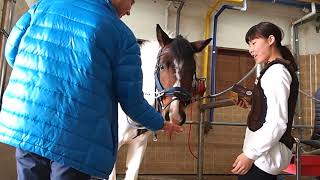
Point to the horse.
(169, 77)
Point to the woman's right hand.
(241, 96)
(241, 102)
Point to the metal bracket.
(2, 31)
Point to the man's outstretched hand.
(170, 128)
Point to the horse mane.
(149, 49)
(183, 50)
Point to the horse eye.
(161, 67)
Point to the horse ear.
(162, 37)
(199, 45)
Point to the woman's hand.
(241, 96)
(242, 164)
(241, 102)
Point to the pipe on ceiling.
(210, 11)
(178, 17)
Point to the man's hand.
(242, 165)
(170, 128)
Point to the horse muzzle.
(177, 120)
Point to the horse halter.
(178, 92)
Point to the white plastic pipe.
(316, 75)
(295, 48)
(243, 8)
(311, 89)
(166, 16)
(307, 16)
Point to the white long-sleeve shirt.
(263, 145)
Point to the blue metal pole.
(214, 52)
(214, 42)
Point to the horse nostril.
(166, 116)
(183, 118)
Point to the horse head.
(175, 74)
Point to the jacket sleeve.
(276, 86)
(16, 35)
(129, 86)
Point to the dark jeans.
(31, 166)
(257, 174)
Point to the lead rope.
(156, 106)
(189, 135)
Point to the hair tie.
(279, 44)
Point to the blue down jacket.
(72, 61)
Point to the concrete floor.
(183, 177)
(176, 177)
(206, 177)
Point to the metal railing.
(200, 160)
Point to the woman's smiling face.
(260, 49)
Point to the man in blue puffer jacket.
(72, 61)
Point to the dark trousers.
(257, 174)
(31, 166)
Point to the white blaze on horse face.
(174, 112)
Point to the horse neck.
(149, 53)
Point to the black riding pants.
(257, 174)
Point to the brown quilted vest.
(257, 115)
